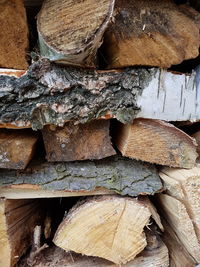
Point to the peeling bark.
(49, 94)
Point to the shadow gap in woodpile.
(99, 133)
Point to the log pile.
(99, 133)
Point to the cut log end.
(156, 142)
(113, 221)
(165, 33)
(66, 39)
(78, 142)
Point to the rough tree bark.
(124, 176)
(49, 94)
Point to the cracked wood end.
(64, 38)
(155, 254)
(18, 219)
(184, 185)
(110, 227)
(178, 217)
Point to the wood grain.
(145, 33)
(13, 35)
(78, 142)
(156, 142)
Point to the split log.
(179, 256)
(177, 216)
(13, 35)
(78, 142)
(145, 33)
(16, 148)
(155, 254)
(17, 221)
(49, 94)
(71, 31)
(156, 142)
(184, 185)
(109, 227)
(124, 176)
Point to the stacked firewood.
(99, 133)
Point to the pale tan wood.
(28, 191)
(57, 257)
(16, 148)
(176, 215)
(157, 142)
(71, 31)
(13, 35)
(184, 185)
(78, 142)
(147, 33)
(179, 256)
(110, 227)
(17, 221)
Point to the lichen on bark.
(51, 94)
(122, 175)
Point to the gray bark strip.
(124, 176)
(50, 94)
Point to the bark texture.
(124, 176)
(49, 94)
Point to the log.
(148, 34)
(152, 255)
(17, 221)
(156, 142)
(17, 148)
(13, 35)
(124, 176)
(196, 136)
(64, 38)
(78, 142)
(49, 94)
(175, 213)
(184, 186)
(110, 227)
(179, 256)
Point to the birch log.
(71, 31)
(49, 94)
